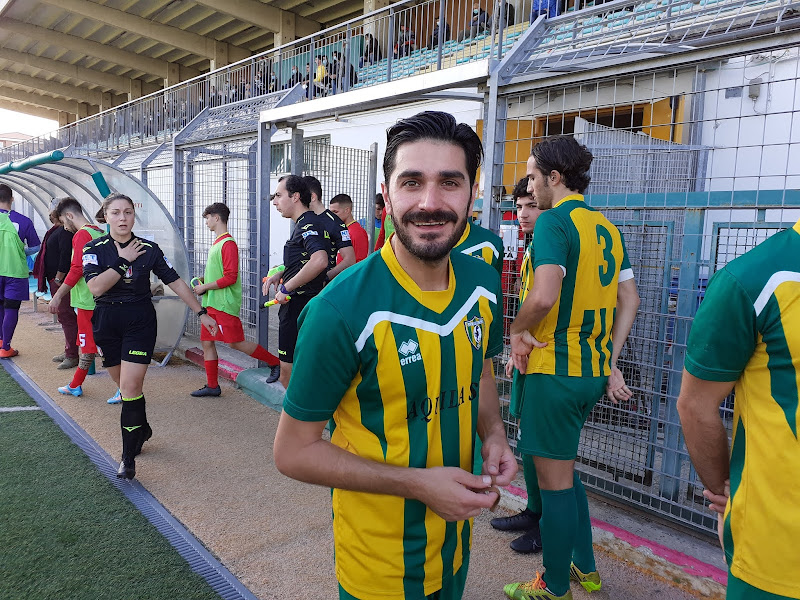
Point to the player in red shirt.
(342, 207)
(70, 213)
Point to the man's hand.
(510, 368)
(200, 289)
(522, 344)
(209, 324)
(616, 389)
(132, 251)
(55, 302)
(499, 461)
(270, 282)
(454, 494)
(717, 503)
(281, 298)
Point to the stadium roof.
(76, 56)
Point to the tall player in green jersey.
(746, 337)
(567, 337)
(408, 379)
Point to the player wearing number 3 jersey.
(566, 339)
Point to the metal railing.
(393, 43)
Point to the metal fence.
(695, 165)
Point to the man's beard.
(432, 251)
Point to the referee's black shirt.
(101, 254)
(337, 232)
(308, 237)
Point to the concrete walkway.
(210, 464)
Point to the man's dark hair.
(5, 193)
(379, 200)
(67, 205)
(433, 125)
(297, 185)
(314, 186)
(218, 208)
(564, 154)
(342, 199)
(521, 189)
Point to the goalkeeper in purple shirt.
(18, 239)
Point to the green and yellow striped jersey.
(481, 243)
(748, 330)
(398, 370)
(591, 252)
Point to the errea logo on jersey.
(409, 351)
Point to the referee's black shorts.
(287, 326)
(125, 332)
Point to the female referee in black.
(117, 270)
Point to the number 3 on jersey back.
(606, 270)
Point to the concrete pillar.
(173, 75)
(64, 118)
(106, 101)
(136, 89)
(288, 32)
(370, 25)
(83, 110)
(220, 55)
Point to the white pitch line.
(18, 408)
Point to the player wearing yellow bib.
(221, 295)
(408, 379)
(567, 337)
(746, 337)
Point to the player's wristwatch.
(282, 289)
(202, 311)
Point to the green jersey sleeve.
(495, 345)
(626, 262)
(550, 241)
(325, 363)
(724, 332)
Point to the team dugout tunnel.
(41, 179)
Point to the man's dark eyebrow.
(443, 174)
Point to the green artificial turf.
(10, 393)
(65, 531)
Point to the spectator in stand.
(406, 41)
(336, 233)
(294, 78)
(477, 24)
(51, 268)
(372, 51)
(70, 213)
(16, 232)
(342, 207)
(221, 294)
(336, 72)
(433, 41)
(320, 77)
(509, 15)
(545, 8)
(305, 260)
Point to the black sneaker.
(207, 391)
(523, 521)
(274, 374)
(529, 542)
(126, 471)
